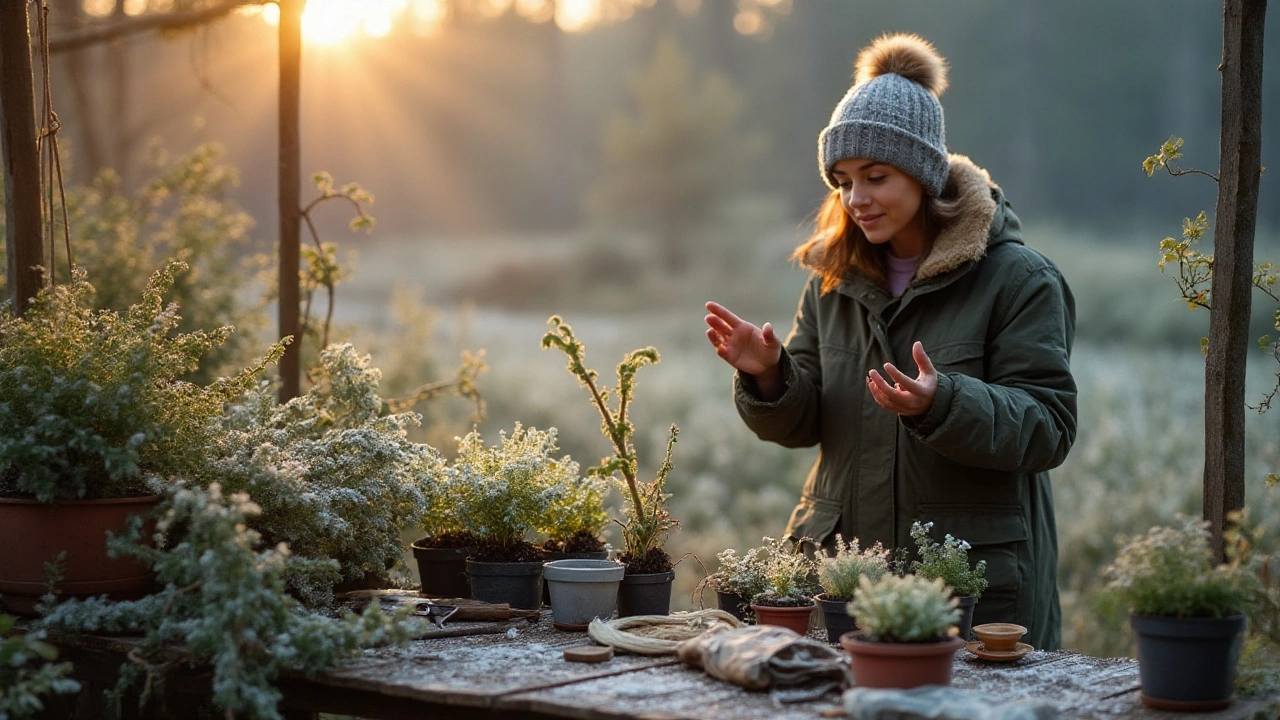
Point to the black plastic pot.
(1187, 664)
(443, 571)
(835, 613)
(966, 616)
(550, 556)
(645, 594)
(518, 584)
(735, 605)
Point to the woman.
(929, 357)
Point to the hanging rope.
(47, 145)
(659, 634)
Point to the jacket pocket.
(998, 534)
(966, 357)
(814, 518)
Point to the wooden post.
(290, 193)
(1237, 209)
(21, 164)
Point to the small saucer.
(975, 647)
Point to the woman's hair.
(838, 245)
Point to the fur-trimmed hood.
(966, 238)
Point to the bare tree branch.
(98, 33)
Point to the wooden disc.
(589, 653)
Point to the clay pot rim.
(856, 640)
(137, 499)
(999, 636)
(787, 608)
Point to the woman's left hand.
(906, 396)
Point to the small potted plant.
(738, 579)
(574, 524)
(906, 634)
(839, 575)
(96, 418)
(1187, 612)
(501, 494)
(441, 553)
(787, 600)
(949, 561)
(646, 587)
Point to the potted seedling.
(95, 420)
(738, 579)
(839, 575)
(949, 561)
(1187, 612)
(441, 553)
(502, 491)
(787, 600)
(646, 587)
(906, 634)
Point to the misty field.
(1137, 460)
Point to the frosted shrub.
(224, 601)
(93, 403)
(574, 522)
(839, 574)
(741, 575)
(502, 491)
(27, 671)
(947, 561)
(335, 479)
(1170, 571)
(776, 573)
(904, 609)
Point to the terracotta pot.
(1187, 664)
(442, 571)
(899, 665)
(34, 533)
(835, 615)
(792, 618)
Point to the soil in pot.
(34, 533)
(582, 590)
(1187, 664)
(835, 614)
(899, 665)
(792, 617)
(442, 564)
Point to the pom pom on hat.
(892, 113)
(910, 56)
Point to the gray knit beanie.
(892, 113)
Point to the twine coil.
(659, 634)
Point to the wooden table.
(519, 672)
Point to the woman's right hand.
(751, 350)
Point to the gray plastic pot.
(518, 584)
(550, 555)
(582, 590)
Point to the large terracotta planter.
(792, 618)
(1187, 664)
(34, 533)
(899, 665)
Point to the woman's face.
(884, 202)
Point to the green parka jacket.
(997, 319)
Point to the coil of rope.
(659, 634)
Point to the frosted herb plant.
(574, 522)
(336, 479)
(94, 404)
(223, 600)
(904, 609)
(648, 521)
(741, 575)
(502, 491)
(840, 574)
(947, 561)
(789, 574)
(28, 673)
(1170, 571)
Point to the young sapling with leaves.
(647, 521)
